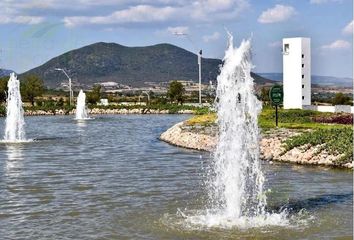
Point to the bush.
(341, 99)
(339, 118)
(2, 110)
(334, 140)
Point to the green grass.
(203, 120)
(334, 140)
(297, 119)
(294, 118)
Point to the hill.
(5, 72)
(102, 62)
(319, 80)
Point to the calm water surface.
(111, 178)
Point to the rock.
(271, 148)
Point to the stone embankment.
(271, 145)
(98, 111)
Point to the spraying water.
(237, 186)
(14, 129)
(81, 111)
(235, 181)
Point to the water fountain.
(237, 186)
(235, 181)
(81, 111)
(14, 128)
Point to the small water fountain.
(81, 111)
(14, 124)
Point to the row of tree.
(338, 99)
(31, 87)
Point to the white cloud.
(166, 11)
(278, 13)
(118, 12)
(178, 30)
(323, 1)
(135, 14)
(208, 10)
(275, 44)
(21, 19)
(348, 29)
(210, 38)
(10, 15)
(337, 45)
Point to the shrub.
(335, 140)
(341, 118)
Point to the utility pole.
(199, 55)
(200, 76)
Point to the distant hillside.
(102, 62)
(319, 80)
(5, 72)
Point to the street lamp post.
(70, 89)
(200, 76)
(199, 54)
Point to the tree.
(176, 92)
(31, 87)
(60, 102)
(265, 95)
(3, 88)
(340, 99)
(95, 95)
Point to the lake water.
(111, 178)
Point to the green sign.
(276, 94)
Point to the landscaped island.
(303, 137)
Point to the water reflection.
(81, 123)
(14, 161)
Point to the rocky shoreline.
(204, 138)
(98, 111)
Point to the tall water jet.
(14, 127)
(81, 111)
(237, 184)
(235, 180)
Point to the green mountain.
(5, 72)
(102, 62)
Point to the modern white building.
(296, 72)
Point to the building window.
(303, 56)
(303, 97)
(303, 76)
(303, 65)
(286, 47)
(303, 85)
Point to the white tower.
(296, 72)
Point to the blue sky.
(34, 31)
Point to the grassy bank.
(334, 140)
(293, 119)
(303, 119)
(332, 132)
(172, 108)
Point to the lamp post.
(70, 90)
(199, 54)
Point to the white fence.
(336, 108)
